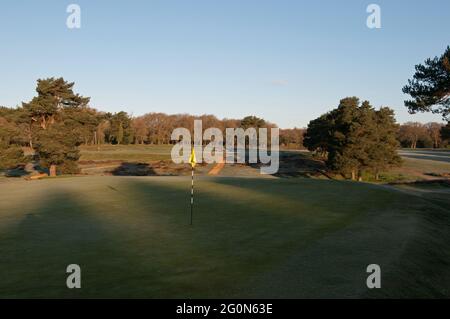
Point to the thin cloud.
(280, 82)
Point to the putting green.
(251, 238)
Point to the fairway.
(125, 152)
(252, 237)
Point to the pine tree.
(318, 135)
(252, 122)
(355, 138)
(121, 131)
(53, 94)
(55, 140)
(430, 86)
(84, 121)
(58, 146)
(11, 154)
(383, 148)
(348, 139)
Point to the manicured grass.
(251, 238)
(137, 153)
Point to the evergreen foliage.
(430, 86)
(354, 138)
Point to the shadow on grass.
(153, 253)
(237, 241)
(159, 168)
(25, 170)
(62, 231)
(141, 245)
(412, 231)
(134, 169)
(295, 164)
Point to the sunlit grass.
(138, 153)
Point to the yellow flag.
(192, 159)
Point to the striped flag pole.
(192, 193)
(192, 161)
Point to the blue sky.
(286, 61)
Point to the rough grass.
(427, 166)
(251, 238)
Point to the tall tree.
(53, 94)
(384, 144)
(55, 110)
(121, 129)
(355, 138)
(434, 131)
(290, 137)
(140, 130)
(252, 121)
(411, 133)
(430, 86)
(349, 138)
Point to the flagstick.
(192, 192)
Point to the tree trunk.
(52, 170)
(30, 135)
(353, 175)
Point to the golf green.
(252, 237)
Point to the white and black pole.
(192, 161)
(192, 194)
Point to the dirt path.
(216, 169)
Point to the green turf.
(251, 238)
(139, 153)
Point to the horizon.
(226, 59)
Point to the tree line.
(57, 120)
(353, 138)
(417, 135)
